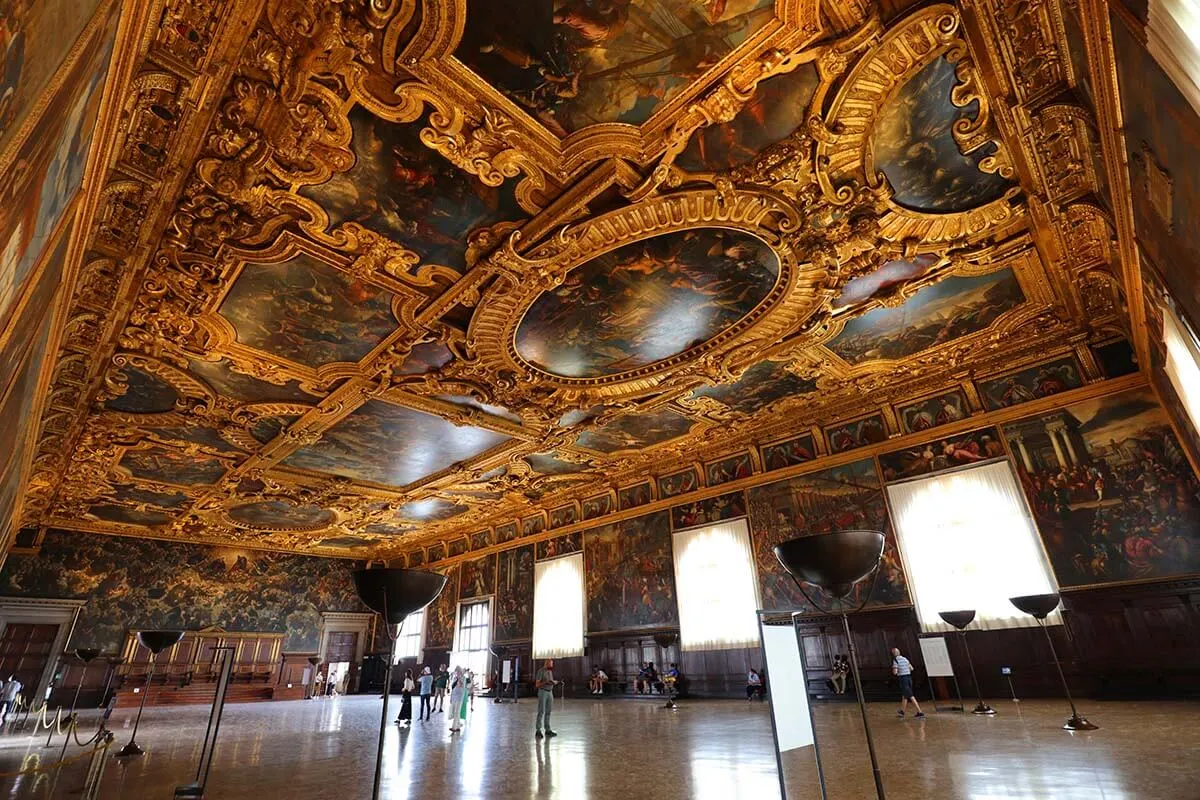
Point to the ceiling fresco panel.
(392, 445)
(765, 383)
(635, 431)
(162, 465)
(144, 393)
(226, 380)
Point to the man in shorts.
(902, 669)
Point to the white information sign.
(787, 688)
(937, 657)
(506, 672)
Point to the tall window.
(558, 607)
(714, 578)
(968, 543)
(472, 638)
(1173, 38)
(409, 643)
(1183, 362)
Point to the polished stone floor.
(631, 749)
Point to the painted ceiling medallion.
(279, 514)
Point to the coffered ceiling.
(366, 274)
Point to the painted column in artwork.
(1066, 437)
(1020, 442)
(1051, 430)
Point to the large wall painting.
(630, 574)
(133, 584)
(916, 149)
(441, 613)
(305, 311)
(951, 308)
(933, 411)
(478, 578)
(634, 431)
(361, 446)
(1111, 489)
(514, 594)
(574, 64)
(845, 497)
(789, 452)
(626, 309)
(411, 194)
(959, 450)
(1042, 380)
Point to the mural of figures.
(631, 496)
(27, 327)
(143, 583)
(729, 469)
(416, 559)
(622, 310)
(796, 450)
(883, 280)
(564, 515)
(560, 546)
(778, 107)
(915, 147)
(196, 434)
(305, 311)
(456, 547)
(959, 450)
(426, 357)
(506, 533)
(19, 405)
(551, 464)
(128, 515)
(172, 466)
(630, 574)
(436, 552)
(481, 539)
(360, 446)
(597, 506)
(1111, 490)
(859, 433)
(712, 509)
(409, 193)
(1042, 380)
(281, 514)
(932, 412)
(679, 483)
(478, 578)
(225, 380)
(144, 393)
(572, 64)
(533, 525)
(440, 614)
(763, 384)
(845, 497)
(514, 594)
(951, 308)
(634, 431)
(433, 508)
(136, 496)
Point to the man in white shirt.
(597, 681)
(902, 669)
(8, 696)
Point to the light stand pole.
(836, 562)
(960, 620)
(155, 642)
(1039, 607)
(394, 594)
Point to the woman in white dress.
(460, 692)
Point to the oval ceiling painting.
(646, 301)
(280, 514)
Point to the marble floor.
(633, 749)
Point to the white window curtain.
(716, 587)
(409, 643)
(472, 638)
(1183, 362)
(558, 607)
(1173, 39)
(967, 542)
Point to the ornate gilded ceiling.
(366, 274)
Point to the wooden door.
(25, 650)
(341, 646)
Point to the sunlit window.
(1183, 362)
(472, 638)
(558, 607)
(714, 578)
(409, 643)
(1173, 38)
(968, 543)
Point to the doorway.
(34, 632)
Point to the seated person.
(754, 685)
(671, 679)
(653, 678)
(597, 680)
(645, 677)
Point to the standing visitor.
(841, 665)
(405, 718)
(8, 697)
(439, 687)
(425, 683)
(544, 681)
(902, 668)
(460, 690)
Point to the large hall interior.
(600, 399)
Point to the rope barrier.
(78, 756)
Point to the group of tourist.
(432, 690)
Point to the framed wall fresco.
(630, 575)
(563, 515)
(921, 415)
(845, 497)
(441, 613)
(678, 483)
(533, 525)
(435, 552)
(456, 546)
(1042, 380)
(416, 558)
(481, 539)
(559, 546)
(633, 496)
(477, 577)
(1113, 495)
(710, 509)
(856, 433)
(789, 452)
(597, 506)
(506, 533)
(514, 594)
(739, 465)
(145, 583)
(961, 449)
